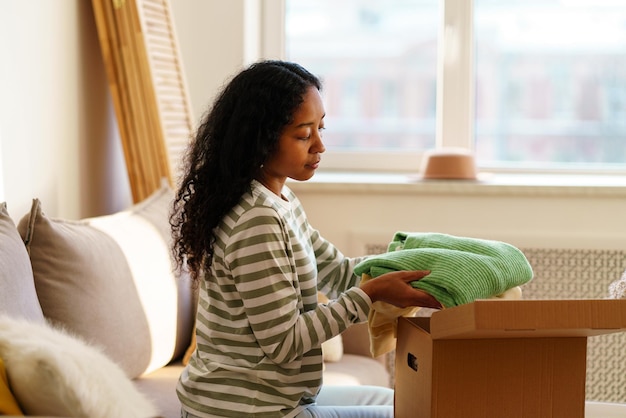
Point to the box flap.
(493, 318)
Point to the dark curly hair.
(238, 133)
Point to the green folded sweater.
(462, 269)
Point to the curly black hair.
(238, 133)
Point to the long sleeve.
(275, 276)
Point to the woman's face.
(299, 147)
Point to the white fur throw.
(53, 373)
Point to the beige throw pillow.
(110, 280)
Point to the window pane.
(551, 81)
(378, 62)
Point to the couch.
(107, 281)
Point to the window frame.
(455, 116)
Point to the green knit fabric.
(462, 269)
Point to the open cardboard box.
(500, 358)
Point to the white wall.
(59, 137)
(210, 38)
(216, 39)
(1, 170)
(59, 134)
(540, 216)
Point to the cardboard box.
(500, 358)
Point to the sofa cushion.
(17, 287)
(161, 385)
(53, 373)
(110, 280)
(356, 370)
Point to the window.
(551, 82)
(526, 83)
(378, 62)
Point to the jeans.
(347, 402)
(351, 402)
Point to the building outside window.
(547, 79)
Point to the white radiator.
(583, 274)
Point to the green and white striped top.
(259, 326)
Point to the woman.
(244, 236)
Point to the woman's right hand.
(395, 288)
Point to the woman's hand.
(395, 288)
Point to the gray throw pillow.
(110, 280)
(18, 297)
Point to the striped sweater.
(259, 327)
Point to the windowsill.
(486, 184)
